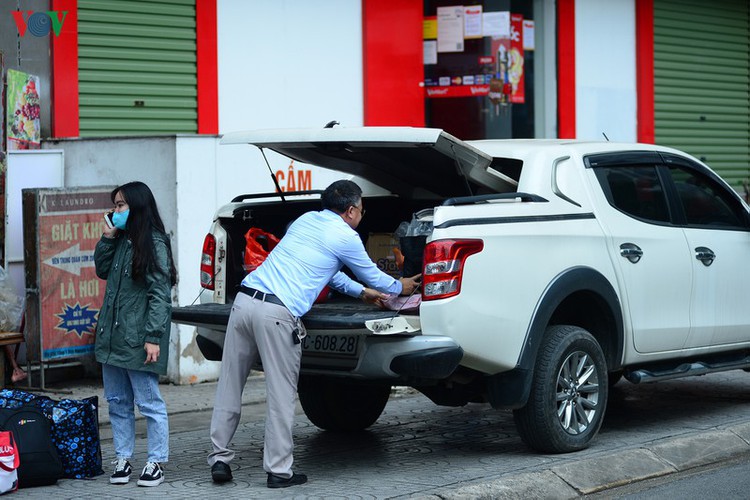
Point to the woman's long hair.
(143, 219)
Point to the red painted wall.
(65, 72)
(566, 69)
(392, 62)
(644, 57)
(207, 67)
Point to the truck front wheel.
(568, 393)
(341, 405)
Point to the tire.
(552, 420)
(340, 405)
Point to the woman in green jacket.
(132, 334)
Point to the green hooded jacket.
(134, 311)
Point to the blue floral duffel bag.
(75, 429)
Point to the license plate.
(342, 345)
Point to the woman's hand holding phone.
(110, 230)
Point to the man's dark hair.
(341, 195)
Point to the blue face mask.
(120, 219)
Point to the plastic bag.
(420, 225)
(11, 305)
(258, 244)
(9, 462)
(412, 237)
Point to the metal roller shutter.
(137, 67)
(702, 82)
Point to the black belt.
(265, 297)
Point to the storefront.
(476, 69)
(701, 82)
(479, 68)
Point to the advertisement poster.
(516, 60)
(500, 86)
(22, 117)
(3, 170)
(3, 167)
(70, 224)
(2, 104)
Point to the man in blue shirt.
(265, 322)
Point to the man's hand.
(372, 296)
(410, 284)
(152, 353)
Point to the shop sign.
(70, 224)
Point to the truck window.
(635, 190)
(705, 202)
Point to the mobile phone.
(108, 220)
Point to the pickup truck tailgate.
(337, 314)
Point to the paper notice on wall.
(450, 29)
(528, 34)
(473, 21)
(496, 24)
(430, 52)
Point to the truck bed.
(338, 313)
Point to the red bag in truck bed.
(258, 244)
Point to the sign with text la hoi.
(68, 225)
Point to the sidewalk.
(419, 450)
(179, 398)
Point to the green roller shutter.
(137, 67)
(702, 82)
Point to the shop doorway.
(479, 68)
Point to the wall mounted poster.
(3, 170)
(2, 166)
(22, 101)
(516, 60)
(2, 104)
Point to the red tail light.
(208, 265)
(444, 266)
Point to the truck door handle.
(705, 255)
(631, 251)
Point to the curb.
(582, 477)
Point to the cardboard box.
(380, 249)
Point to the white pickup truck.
(554, 268)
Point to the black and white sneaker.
(152, 475)
(122, 472)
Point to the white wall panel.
(605, 70)
(289, 63)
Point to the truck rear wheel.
(568, 393)
(341, 405)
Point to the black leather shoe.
(280, 482)
(220, 472)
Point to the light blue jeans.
(124, 388)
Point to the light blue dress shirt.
(310, 256)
